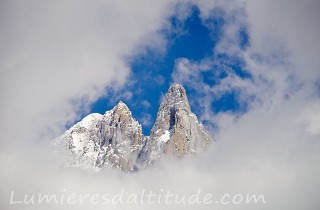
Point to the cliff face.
(176, 131)
(115, 139)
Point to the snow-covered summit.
(115, 139)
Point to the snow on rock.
(115, 139)
(176, 131)
(165, 137)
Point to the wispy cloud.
(58, 54)
(146, 119)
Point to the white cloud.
(56, 54)
(146, 104)
(274, 147)
(292, 24)
(146, 120)
(58, 57)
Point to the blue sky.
(249, 67)
(193, 38)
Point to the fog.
(58, 57)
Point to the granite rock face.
(115, 139)
(176, 131)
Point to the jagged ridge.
(115, 139)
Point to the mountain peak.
(177, 130)
(176, 98)
(116, 139)
(176, 86)
(177, 90)
(121, 105)
(121, 108)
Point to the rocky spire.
(177, 126)
(121, 105)
(176, 131)
(174, 101)
(116, 139)
(113, 139)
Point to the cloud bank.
(57, 58)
